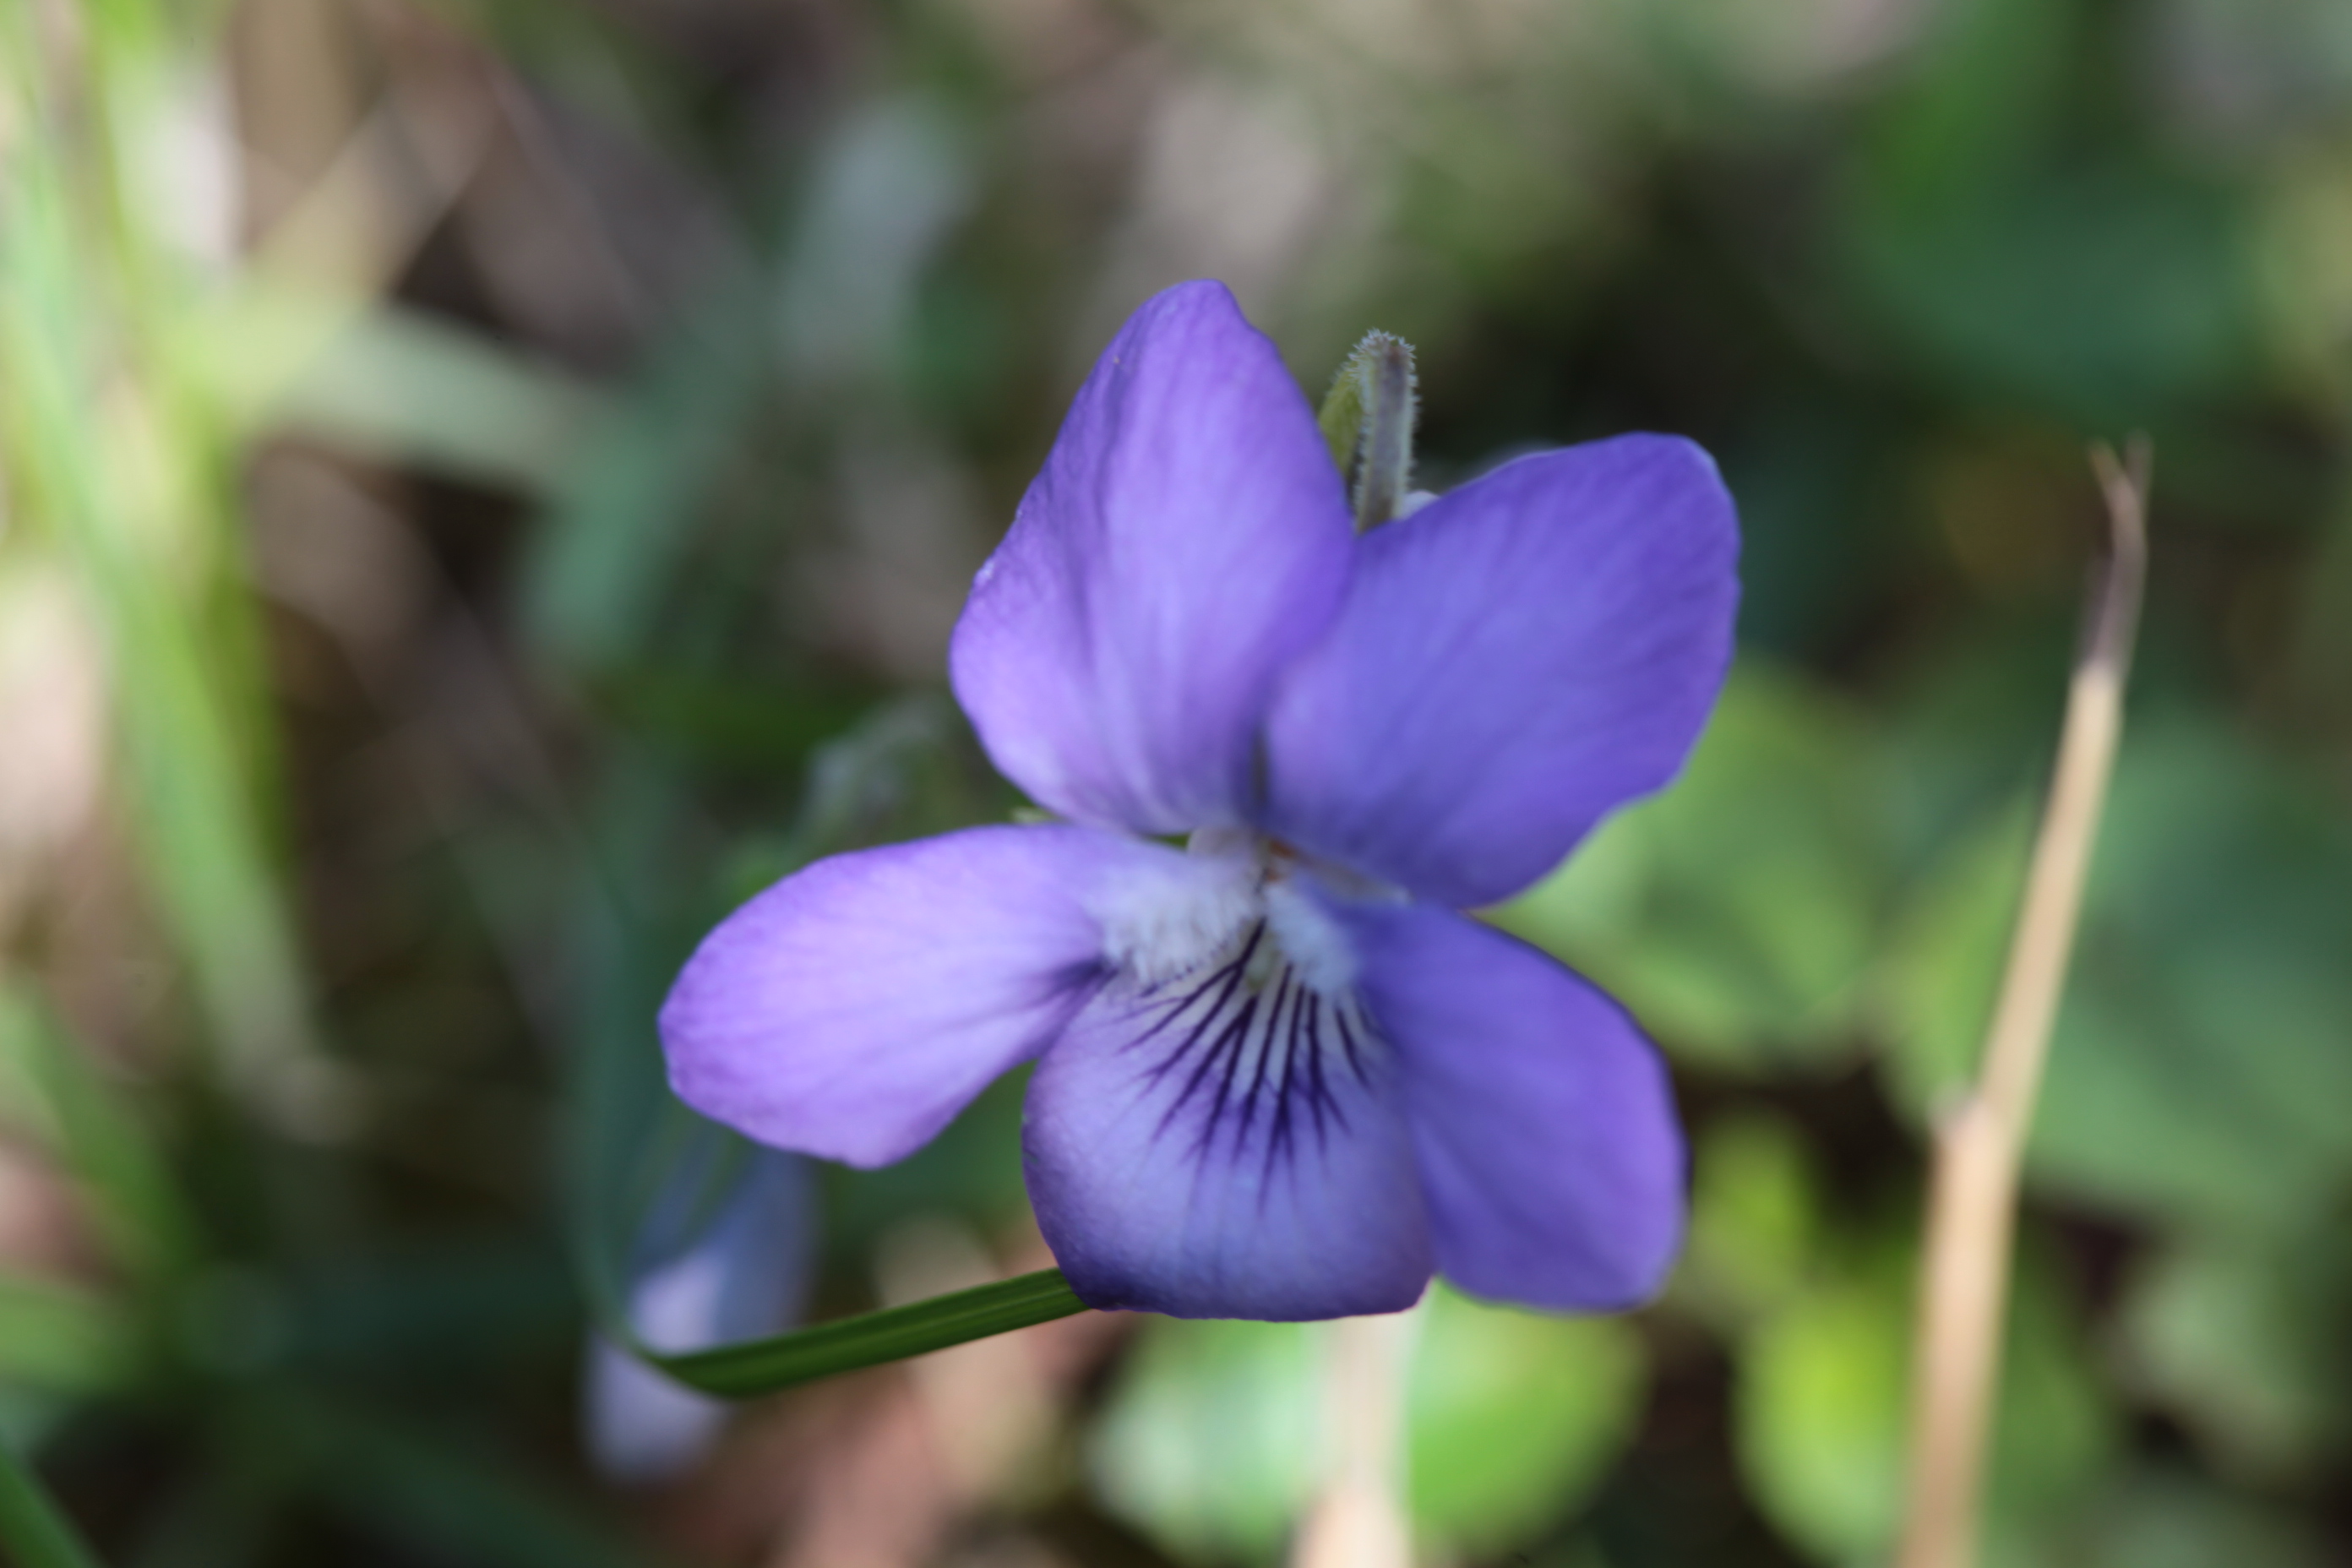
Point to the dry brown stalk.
(1978, 1142)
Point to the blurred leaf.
(1215, 1436)
(1943, 963)
(1819, 1422)
(1980, 97)
(2019, 262)
(890, 184)
(36, 1534)
(63, 1337)
(2244, 1346)
(402, 386)
(1212, 1438)
(1735, 913)
(2158, 1517)
(621, 515)
(1513, 1418)
(2100, 295)
(2198, 1061)
(1755, 1215)
(1822, 1401)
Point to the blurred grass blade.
(34, 1533)
(146, 1220)
(65, 1339)
(870, 1339)
(123, 471)
(395, 384)
(624, 513)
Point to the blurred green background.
(485, 484)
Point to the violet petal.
(852, 1009)
(744, 1277)
(1231, 1156)
(1542, 1121)
(1187, 537)
(1512, 662)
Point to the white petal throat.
(1250, 1060)
(1183, 914)
(1177, 916)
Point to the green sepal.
(1367, 421)
(870, 1339)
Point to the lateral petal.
(1543, 1122)
(1229, 1145)
(852, 1009)
(1188, 536)
(1512, 661)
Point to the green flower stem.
(33, 1532)
(870, 1339)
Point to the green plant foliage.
(2242, 1340)
(2014, 255)
(2164, 1517)
(403, 386)
(126, 488)
(60, 1339)
(874, 1339)
(2208, 924)
(36, 1534)
(51, 1091)
(1821, 1407)
(1756, 1218)
(1737, 912)
(1214, 1440)
(1512, 1419)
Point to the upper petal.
(1543, 1121)
(1228, 1145)
(852, 1009)
(1188, 536)
(1511, 662)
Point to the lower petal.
(1228, 1145)
(852, 1009)
(1543, 1121)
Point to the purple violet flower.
(1277, 1075)
(743, 1274)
